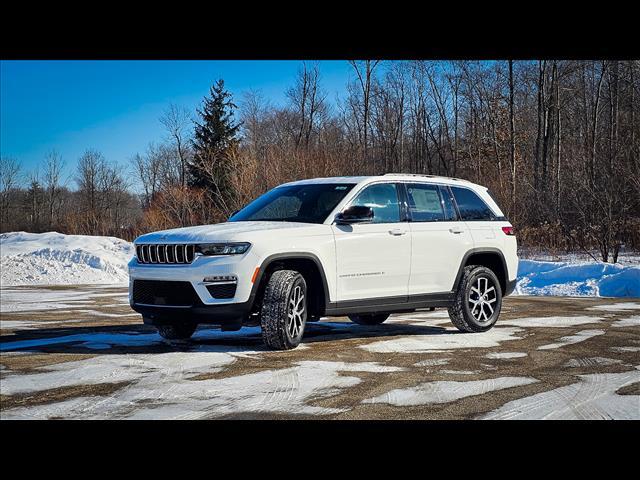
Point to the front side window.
(471, 206)
(310, 203)
(383, 200)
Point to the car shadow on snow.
(143, 339)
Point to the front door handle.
(456, 230)
(397, 231)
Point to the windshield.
(310, 203)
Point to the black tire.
(461, 312)
(177, 331)
(372, 319)
(279, 331)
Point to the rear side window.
(383, 200)
(425, 203)
(471, 206)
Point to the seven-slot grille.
(166, 253)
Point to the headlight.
(222, 248)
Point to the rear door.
(373, 259)
(477, 215)
(439, 239)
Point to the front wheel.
(284, 310)
(478, 300)
(369, 319)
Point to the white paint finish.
(505, 355)
(447, 391)
(371, 262)
(616, 307)
(162, 388)
(592, 398)
(448, 340)
(435, 252)
(543, 322)
(581, 336)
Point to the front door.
(373, 259)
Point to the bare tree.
(177, 120)
(9, 176)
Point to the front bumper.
(230, 316)
(205, 308)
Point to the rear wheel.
(478, 300)
(177, 331)
(372, 319)
(284, 310)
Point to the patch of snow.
(625, 349)
(628, 322)
(447, 391)
(459, 372)
(593, 361)
(54, 259)
(450, 339)
(617, 307)
(559, 322)
(38, 299)
(501, 355)
(581, 336)
(592, 398)
(163, 387)
(577, 279)
(432, 362)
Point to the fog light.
(220, 278)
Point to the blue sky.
(114, 106)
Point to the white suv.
(364, 247)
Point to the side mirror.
(355, 214)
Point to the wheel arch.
(309, 266)
(491, 258)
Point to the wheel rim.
(295, 315)
(482, 299)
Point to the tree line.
(556, 142)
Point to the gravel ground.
(80, 352)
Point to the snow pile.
(54, 259)
(578, 279)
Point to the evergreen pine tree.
(214, 140)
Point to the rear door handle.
(456, 230)
(397, 231)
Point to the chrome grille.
(166, 253)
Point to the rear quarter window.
(471, 206)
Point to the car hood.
(229, 231)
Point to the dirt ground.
(81, 352)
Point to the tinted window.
(310, 203)
(447, 203)
(425, 204)
(383, 200)
(471, 206)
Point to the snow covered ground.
(55, 259)
(580, 279)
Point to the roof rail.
(427, 176)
